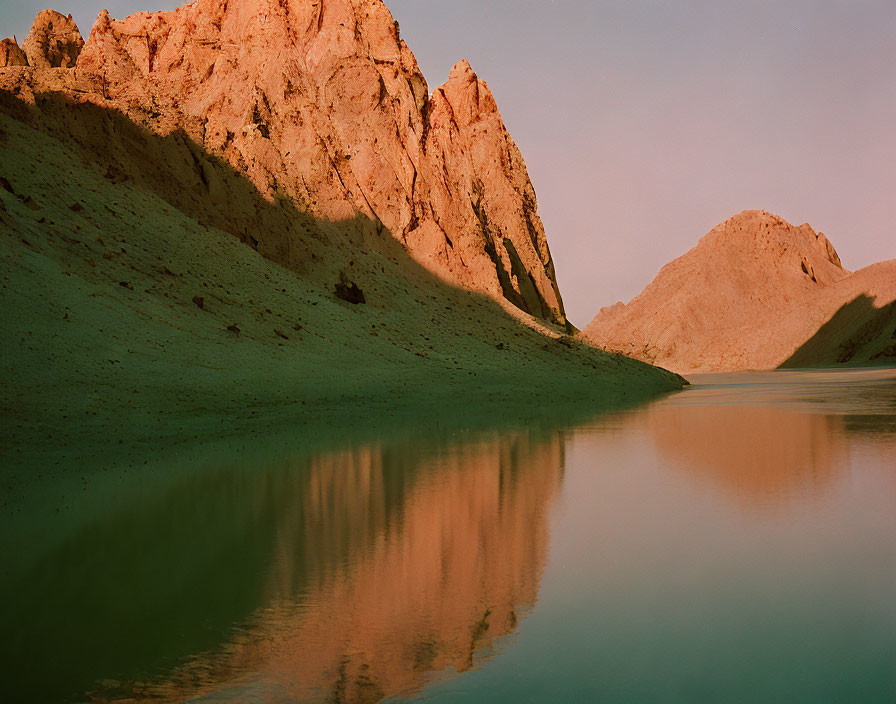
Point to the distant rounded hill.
(756, 293)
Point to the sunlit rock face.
(386, 570)
(322, 103)
(749, 296)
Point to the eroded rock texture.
(321, 103)
(53, 42)
(11, 54)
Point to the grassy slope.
(103, 344)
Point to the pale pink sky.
(647, 122)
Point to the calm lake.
(735, 542)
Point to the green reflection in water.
(160, 575)
(735, 542)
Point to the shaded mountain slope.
(859, 333)
(127, 318)
(747, 296)
(246, 213)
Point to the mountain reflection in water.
(768, 438)
(731, 542)
(758, 454)
(387, 564)
(421, 589)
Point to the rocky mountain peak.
(766, 241)
(11, 54)
(468, 96)
(53, 42)
(324, 104)
(461, 69)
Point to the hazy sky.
(647, 122)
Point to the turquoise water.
(735, 542)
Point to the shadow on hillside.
(858, 333)
(206, 187)
(497, 386)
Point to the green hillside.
(130, 323)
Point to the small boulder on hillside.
(53, 42)
(349, 291)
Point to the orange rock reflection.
(442, 553)
(760, 454)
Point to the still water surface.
(735, 542)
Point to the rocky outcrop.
(475, 184)
(748, 296)
(11, 54)
(323, 104)
(53, 42)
